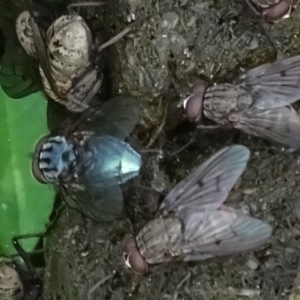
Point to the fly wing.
(117, 117)
(220, 233)
(9, 11)
(59, 118)
(281, 125)
(41, 52)
(18, 72)
(207, 187)
(274, 85)
(101, 203)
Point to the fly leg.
(128, 29)
(208, 127)
(159, 129)
(265, 31)
(190, 142)
(279, 53)
(23, 254)
(97, 285)
(73, 6)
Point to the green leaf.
(25, 205)
(19, 73)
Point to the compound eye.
(35, 160)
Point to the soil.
(156, 63)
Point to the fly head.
(272, 10)
(53, 156)
(193, 105)
(132, 258)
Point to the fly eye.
(36, 170)
(35, 160)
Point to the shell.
(11, 286)
(24, 33)
(69, 45)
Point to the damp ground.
(156, 63)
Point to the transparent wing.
(59, 118)
(9, 11)
(100, 203)
(220, 233)
(281, 125)
(41, 52)
(207, 187)
(274, 85)
(18, 73)
(117, 117)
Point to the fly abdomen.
(156, 240)
(223, 99)
(107, 158)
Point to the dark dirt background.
(156, 63)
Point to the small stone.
(169, 20)
(252, 264)
(249, 191)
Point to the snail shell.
(69, 46)
(11, 286)
(24, 33)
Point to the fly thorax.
(69, 44)
(56, 156)
(222, 100)
(24, 33)
(11, 286)
(158, 239)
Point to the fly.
(64, 50)
(88, 160)
(193, 224)
(259, 102)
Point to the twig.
(159, 129)
(87, 4)
(102, 281)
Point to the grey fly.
(258, 102)
(192, 223)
